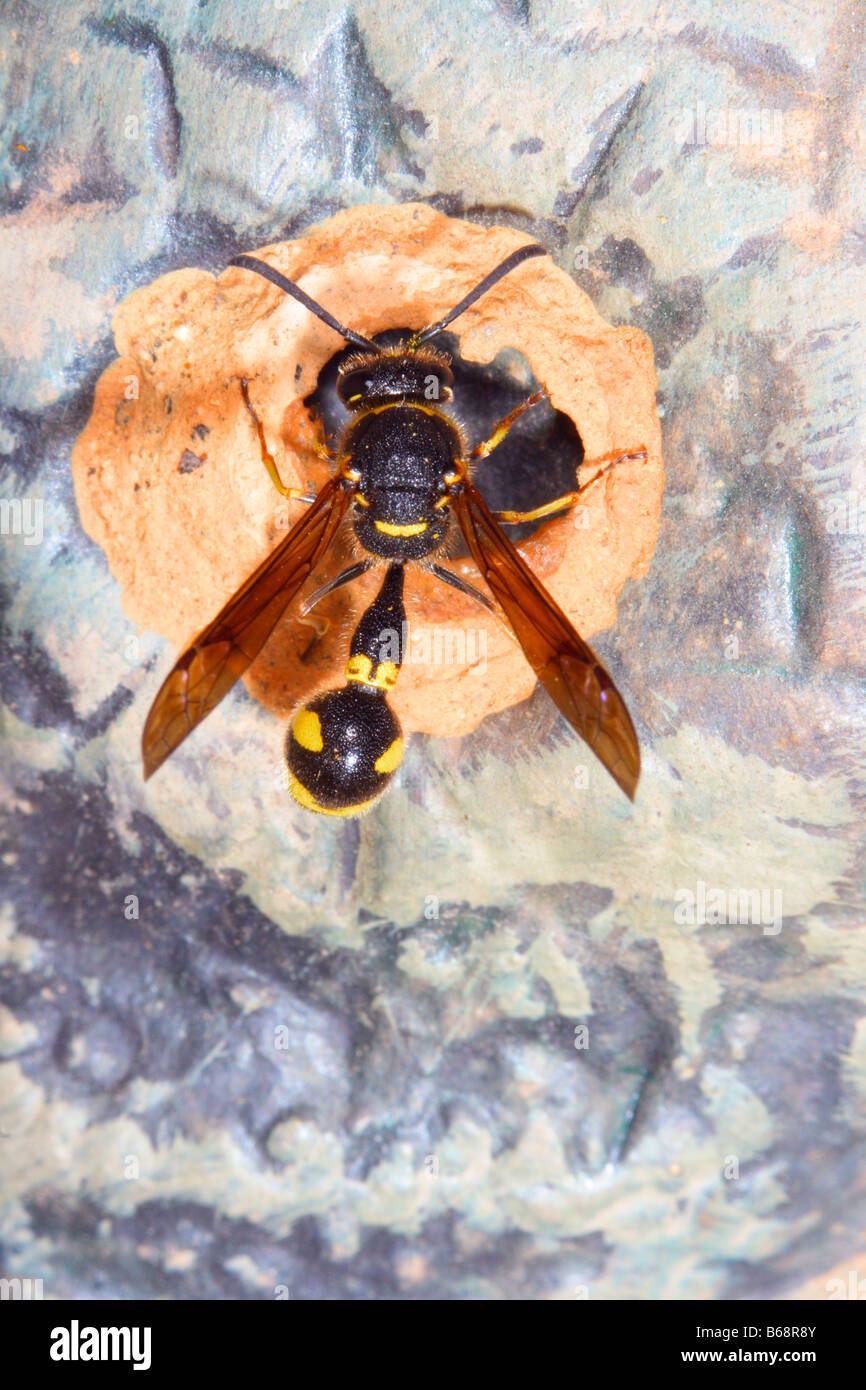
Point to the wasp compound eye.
(342, 750)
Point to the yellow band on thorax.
(392, 528)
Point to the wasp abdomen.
(342, 751)
(344, 747)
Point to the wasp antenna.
(282, 283)
(524, 253)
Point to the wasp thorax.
(397, 373)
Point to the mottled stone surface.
(471, 1046)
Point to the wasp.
(403, 474)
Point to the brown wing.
(226, 647)
(568, 669)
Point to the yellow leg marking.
(320, 444)
(292, 493)
(307, 730)
(570, 499)
(391, 758)
(557, 505)
(482, 450)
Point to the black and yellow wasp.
(402, 471)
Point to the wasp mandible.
(402, 474)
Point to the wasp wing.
(567, 667)
(227, 646)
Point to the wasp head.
(397, 373)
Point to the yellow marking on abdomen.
(305, 798)
(391, 758)
(361, 669)
(390, 528)
(307, 730)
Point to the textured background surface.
(281, 1073)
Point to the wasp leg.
(292, 493)
(345, 578)
(569, 499)
(482, 450)
(449, 577)
(319, 440)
